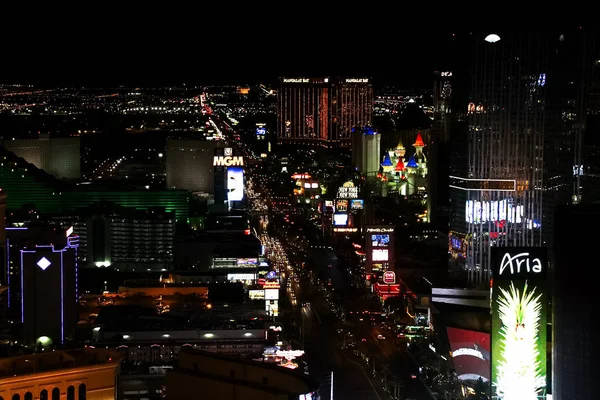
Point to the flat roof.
(56, 360)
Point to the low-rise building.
(90, 374)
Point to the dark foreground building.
(212, 376)
(575, 312)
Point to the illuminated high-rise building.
(501, 190)
(322, 111)
(366, 151)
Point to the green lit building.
(27, 186)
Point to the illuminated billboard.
(341, 205)
(261, 130)
(380, 240)
(519, 323)
(380, 255)
(379, 248)
(357, 204)
(235, 184)
(340, 219)
(492, 211)
(228, 161)
(470, 351)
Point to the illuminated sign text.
(228, 161)
(295, 80)
(518, 261)
(357, 80)
(389, 277)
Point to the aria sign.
(519, 262)
(389, 277)
(515, 263)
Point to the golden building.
(81, 374)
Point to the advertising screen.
(271, 294)
(340, 219)
(503, 210)
(357, 204)
(470, 352)
(261, 130)
(380, 255)
(341, 205)
(256, 294)
(380, 240)
(519, 323)
(235, 184)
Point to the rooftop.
(56, 360)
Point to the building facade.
(503, 185)
(366, 151)
(122, 237)
(42, 282)
(190, 165)
(82, 374)
(322, 111)
(574, 328)
(30, 188)
(60, 157)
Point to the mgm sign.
(228, 160)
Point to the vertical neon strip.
(76, 276)
(8, 268)
(62, 300)
(22, 294)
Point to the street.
(368, 361)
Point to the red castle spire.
(419, 141)
(400, 165)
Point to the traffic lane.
(324, 354)
(404, 368)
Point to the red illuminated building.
(322, 111)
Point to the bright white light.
(492, 38)
(126, 336)
(467, 352)
(43, 263)
(166, 335)
(248, 334)
(160, 154)
(208, 335)
(96, 329)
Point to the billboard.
(235, 184)
(380, 255)
(470, 351)
(271, 294)
(379, 248)
(493, 211)
(357, 204)
(341, 205)
(380, 240)
(340, 219)
(519, 323)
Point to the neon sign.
(228, 161)
(515, 262)
(295, 80)
(389, 277)
(357, 80)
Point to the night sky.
(214, 47)
(246, 52)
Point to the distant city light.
(160, 154)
